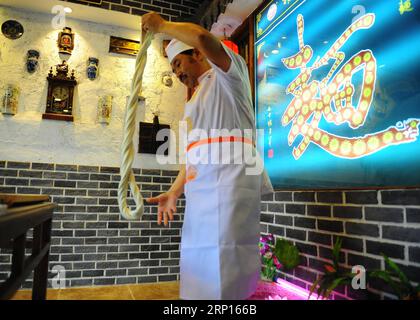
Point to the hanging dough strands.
(127, 148)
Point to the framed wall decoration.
(11, 100)
(104, 109)
(60, 94)
(124, 46)
(337, 93)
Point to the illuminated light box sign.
(338, 93)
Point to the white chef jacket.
(219, 243)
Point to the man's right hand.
(166, 206)
(152, 22)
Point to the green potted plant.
(334, 275)
(277, 255)
(401, 287)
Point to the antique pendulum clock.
(60, 94)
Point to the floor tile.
(161, 291)
(147, 291)
(27, 295)
(96, 293)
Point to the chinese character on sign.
(405, 6)
(332, 99)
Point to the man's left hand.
(153, 22)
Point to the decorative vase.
(32, 61)
(105, 109)
(93, 68)
(11, 100)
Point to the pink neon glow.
(280, 290)
(296, 290)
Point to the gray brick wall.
(89, 238)
(370, 223)
(97, 247)
(170, 9)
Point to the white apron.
(219, 242)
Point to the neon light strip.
(296, 290)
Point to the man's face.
(186, 68)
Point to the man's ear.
(198, 55)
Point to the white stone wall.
(26, 137)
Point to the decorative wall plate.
(12, 29)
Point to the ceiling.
(236, 12)
(80, 12)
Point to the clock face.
(60, 94)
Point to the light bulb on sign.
(272, 12)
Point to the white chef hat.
(176, 47)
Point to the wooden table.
(18, 214)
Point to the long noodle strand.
(127, 147)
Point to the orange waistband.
(218, 140)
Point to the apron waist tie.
(218, 140)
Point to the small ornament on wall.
(105, 109)
(167, 79)
(32, 61)
(11, 100)
(65, 41)
(60, 94)
(93, 68)
(12, 29)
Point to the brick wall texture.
(370, 222)
(97, 247)
(89, 238)
(169, 9)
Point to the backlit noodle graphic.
(332, 99)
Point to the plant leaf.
(334, 285)
(312, 289)
(398, 271)
(336, 252)
(386, 276)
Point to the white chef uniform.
(219, 246)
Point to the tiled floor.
(152, 291)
